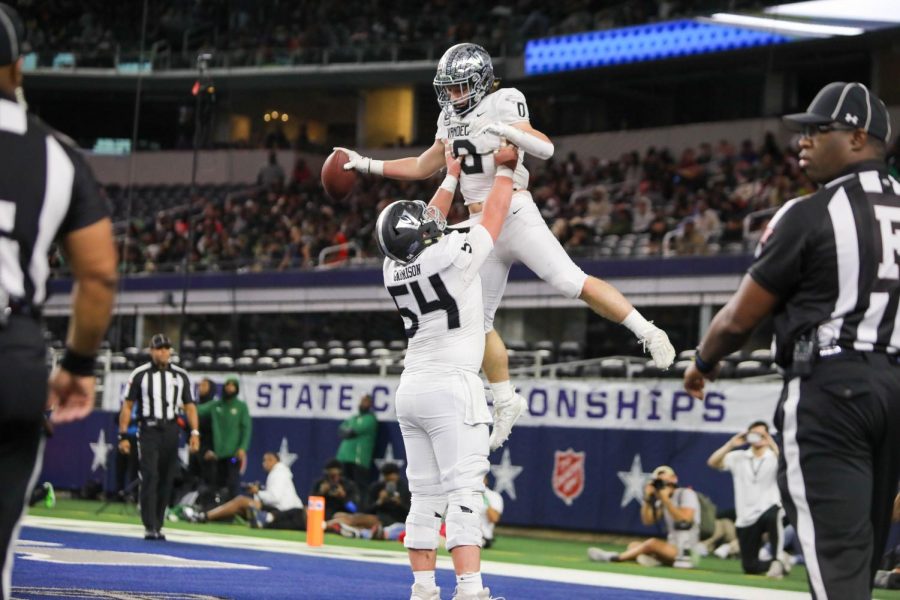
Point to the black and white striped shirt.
(46, 190)
(158, 392)
(832, 259)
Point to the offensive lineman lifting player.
(441, 407)
(476, 119)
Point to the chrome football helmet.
(468, 68)
(406, 227)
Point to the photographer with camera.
(388, 503)
(341, 494)
(679, 509)
(275, 506)
(757, 501)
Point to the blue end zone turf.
(56, 569)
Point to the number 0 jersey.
(439, 297)
(506, 105)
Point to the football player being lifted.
(476, 118)
(441, 406)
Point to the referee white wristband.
(449, 183)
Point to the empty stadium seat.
(251, 352)
(750, 368)
(613, 367)
(204, 361)
(334, 344)
(397, 345)
(287, 361)
(356, 344)
(309, 344)
(244, 363)
(224, 348)
(295, 352)
(375, 344)
(357, 353)
(315, 352)
(265, 362)
(275, 353)
(334, 351)
(206, 347)
(307, 361)
(224, 363)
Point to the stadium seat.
(244, 363)
(516, 345)
(763, 355)
(750, 368)
(204, 361)
(613, 367)
(307, 361)
(265, 362)
(687, 354)
(307, 344)
(375, 344)
(334, 344)
(357, 353)
(356, 344)
(287, 361)
(570, 351)
(132, 353)
(224, 348)
(251, 352)
(315, 352)
(207, 347)
(275, 353)
(678, 369)
(334, 351)
(397, 345)
(118, 362)
(295, 352)
(380, 352)
(188, 348)
(224, 363)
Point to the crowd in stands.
(255, 33)
(695, 202)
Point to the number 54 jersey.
(439, 297)
(507, 106)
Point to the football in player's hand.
(338, 183)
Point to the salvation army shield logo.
(568, 475)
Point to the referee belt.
(832, 352)
(158, 423)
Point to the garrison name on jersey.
(438, 295)
(506, 105)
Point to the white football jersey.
(506, 105)
(439, 297)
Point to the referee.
(157, 387)
(46, 193)
(827, 270)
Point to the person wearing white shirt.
(756, 497)
(276, 506)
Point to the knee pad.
(423, 523)
(464, 519)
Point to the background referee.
(157, 387)
(46, 192)
(827, 270)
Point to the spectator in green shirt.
(355, 452)
(231, 428)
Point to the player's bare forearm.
(497, 206)
(92, 255)
(732, 326)
(416, 167)
(442, 200)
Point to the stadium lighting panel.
(641, 43)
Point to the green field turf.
(557, 551)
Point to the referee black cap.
(12, 35)
(850, 104)
(160, 341)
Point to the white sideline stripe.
(697, 589)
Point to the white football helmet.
(466, 67)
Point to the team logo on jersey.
(568, 475)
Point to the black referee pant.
(23, 395)
(158, 458)
(839, 466)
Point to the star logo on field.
(389, 458)
(285, 455)
(100, 449)
(505, 475)
(634, 482)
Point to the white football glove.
(505, 416)
(363, 164)
(657, 343)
